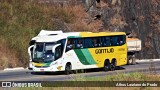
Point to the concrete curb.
(11, 69)
(147, 60)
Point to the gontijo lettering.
(100, 51)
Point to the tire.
(68, 69)
(113, 65)
(47, 73)
(106, 66)
(131, 60)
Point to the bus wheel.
(67, 69)
(106, 66)
(113, 65)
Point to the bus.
(77, 51)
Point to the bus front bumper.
(53, 68)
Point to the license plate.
(41, 69)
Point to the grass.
(136, 76)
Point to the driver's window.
(58, 52)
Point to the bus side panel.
(86, 60)
(101, 54)
(79, 59)
(122, 53)
(70, 57)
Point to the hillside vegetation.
(20, 20)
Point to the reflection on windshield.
(43, 52)
(38, 51)
(48, 51)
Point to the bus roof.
(84, 34)
(53, 38)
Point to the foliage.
(20, 20)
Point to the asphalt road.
(27, 75)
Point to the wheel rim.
(106, 68)
(68, 68)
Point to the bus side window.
(100, 43)
(107, 41)
(58, 52)
(121, 40)
(88, 43)
(62, 42)
(70, 45)
(79, 43)
(96, 42)
(103, 42)
(115, 41)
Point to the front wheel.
(67, 69)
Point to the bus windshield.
(43, 52)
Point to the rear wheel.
(113, 65)
(106, 66)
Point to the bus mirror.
(29, 49)
(30, 52)
(53, 50)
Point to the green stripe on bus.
(81, 57)
(74, 36)
(47, 64)
(88, 55)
